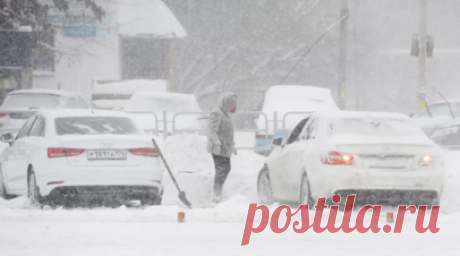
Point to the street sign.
(79, 31)
(75, 26)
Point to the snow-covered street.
(139, 233)
(209, 230)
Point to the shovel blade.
(184, 199)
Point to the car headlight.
(446, 131)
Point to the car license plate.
(107, 155)
(396, 163)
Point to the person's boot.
(217, 197)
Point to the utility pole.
(343, 54)
(422, 55)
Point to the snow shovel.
(182, 196)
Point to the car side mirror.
(277, 142)
(7, 138)
(411, 115)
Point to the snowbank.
(450, 201)
(188, 158)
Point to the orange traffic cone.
(181, 216)
(390, 217)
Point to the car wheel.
(32, 191)
(3, 193)
(264, 187)
(305, 194)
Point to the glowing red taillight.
(64, 152)
(425, 160)
(151, 152)
(337, 158)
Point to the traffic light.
(429, 46)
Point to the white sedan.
(380, 157)
(80, 153)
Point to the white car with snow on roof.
(437, 114)
(19, 105)
(81, 154)
(114, 95)
(290, 102)
(182, 112)
(380, 157)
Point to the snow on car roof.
(80, 112)
(361, 115)
(171, 95)
(286, 98)
(153, 100)
(45, 91)
(129, 86)
(454, 100)
(299, 92)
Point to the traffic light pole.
(422, 91)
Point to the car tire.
(264, 187)
(33, 193)
(3, 193)
(305, 193)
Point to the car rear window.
(32, 101)
(90, 125)
(376, 127)
(440, 110)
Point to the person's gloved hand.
(216, 146)
(216, 150)
(235, 152)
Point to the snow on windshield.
(440, 110)
(31, 101)
(94, 125)
(375, 127)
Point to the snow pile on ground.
(15, 203)
(232, 210)
(194, 169)
(450, 200)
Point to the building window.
(44, 52)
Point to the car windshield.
(89, 125)
(31, 101)
(375, 127)
(440, 110)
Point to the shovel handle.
(166, 164)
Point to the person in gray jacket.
(221, 143)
